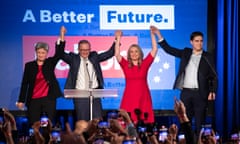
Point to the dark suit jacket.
(74, 61)
(207, 77)
(30, 72)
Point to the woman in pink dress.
(137, 94)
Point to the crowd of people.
(134, 122)
(116, 127)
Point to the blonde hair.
(140, 53)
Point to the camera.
(142, 129)
(30, 132)
(162, 134)
(181, 136)
(98, 141)
(103, 124)
(112, 115)
(1, 116)
(234, 136)
(155, 129)
(129, 142)
(142, 132)
(101, 131)
(217, 136)
(1, 119)
(152, 130)
(44, 120)
(56, 135)
(207, 130)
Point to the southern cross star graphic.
(161, 74)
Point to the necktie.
(86, 74)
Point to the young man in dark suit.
(196, 78)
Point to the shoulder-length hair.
(140, 53)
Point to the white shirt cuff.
(160, 40)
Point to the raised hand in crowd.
(116, 138)
(185, 124)
(172, 134)
(153, 139)
(92, 129)
(125, 116)
(180, 110)
(8, 127)
(76, 136)
(80, 127)
(38, 137)
(116, 127)
(207, 138)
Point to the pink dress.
(137, 94)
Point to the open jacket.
(74, 61)
(31, 70)
(207, 77)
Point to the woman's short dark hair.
(43, 45)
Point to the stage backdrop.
(25, 22)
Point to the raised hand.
(180, 110)
(118, 34)
(63, 31)
(156, 31)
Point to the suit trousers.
(196, 106)
(82, 108)
(41, 105)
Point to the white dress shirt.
(80, 82)
(191, 72)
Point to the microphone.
(89, 78)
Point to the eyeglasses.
(84, 50)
